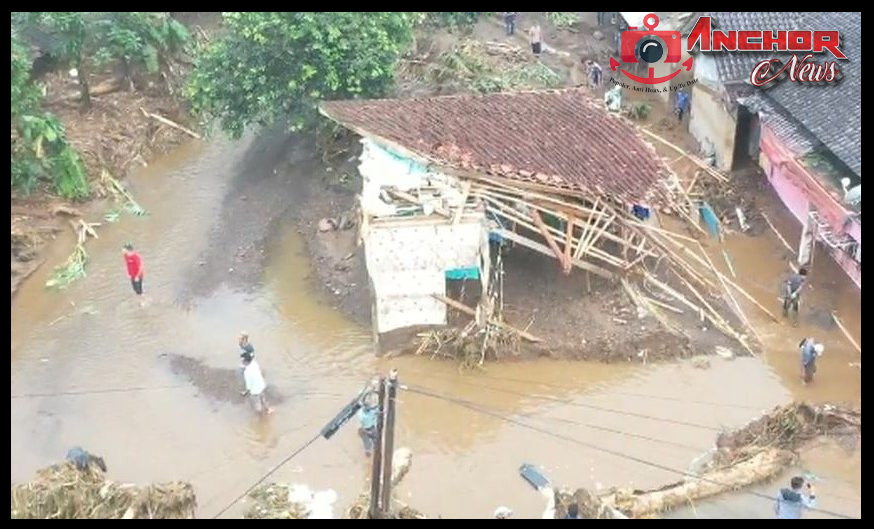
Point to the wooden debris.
(472, 312)
(697, 161)
(740, 313)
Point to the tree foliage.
(136, 38)
(39, 145)
(452, 19)
(273, 66)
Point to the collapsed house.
(806, 138)
(551, 171)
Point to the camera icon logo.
(649, 47)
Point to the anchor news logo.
(649, 47)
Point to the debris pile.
(65, 492)
(276, 501)
(755, 453)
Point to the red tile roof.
(559, 138)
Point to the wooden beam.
(519, 239)
(464, 194)
(472, 312)
(569, 238)
(565, 263)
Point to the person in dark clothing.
(682, 104)
(792, 292)
(510, 23)
(792, 501)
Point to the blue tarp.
(709, 218)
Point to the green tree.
(39, 145)
(25, 96)
(84, 39)
(273, 66)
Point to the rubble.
(64, 492)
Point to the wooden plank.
(472, 312)
(464, 194)
(565, 263)
(846, 332)
(515, 237)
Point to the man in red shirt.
(134, 264)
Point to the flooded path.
(153, 425)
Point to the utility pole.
(389, 439)
(375, 481)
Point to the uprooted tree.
(274, 66)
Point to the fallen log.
(763, 466)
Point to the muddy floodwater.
(91, 367)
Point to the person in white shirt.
(255, 385)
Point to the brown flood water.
(94, 336)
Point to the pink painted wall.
(799, 190)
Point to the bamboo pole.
(740, 313)
(728, 263)
(740, 290)
(169, 123)
(515, 237)
(846, 332)
(691, 157)
(518, 217)
(777, 233)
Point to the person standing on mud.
(135, 269)
(510, 23)
(792, 501)
(810, 351)
(536, 38)
(255, 384)
(368, 414)
(792, 292)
